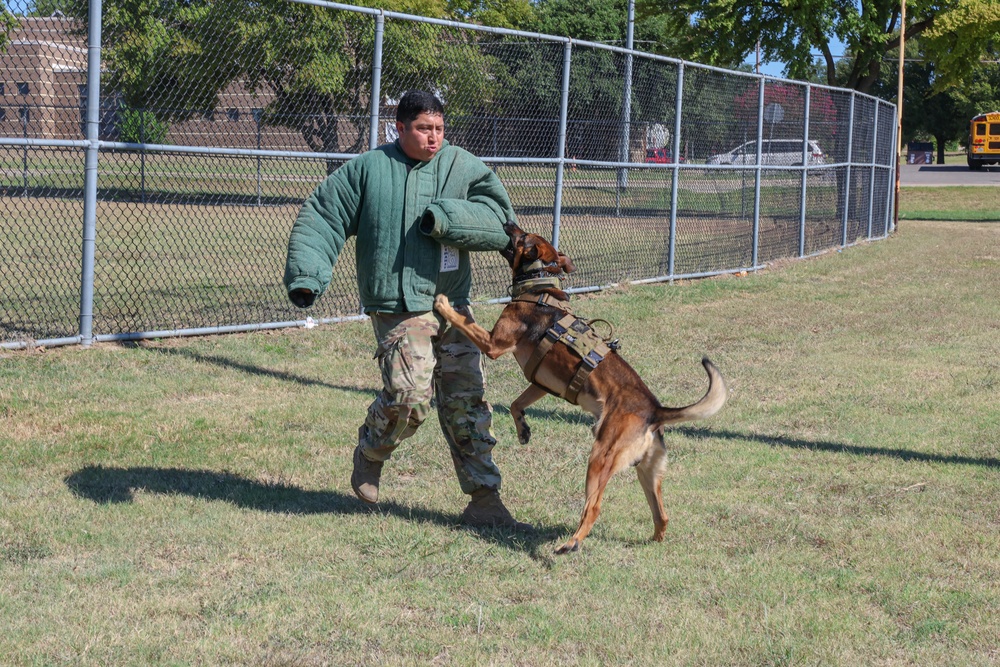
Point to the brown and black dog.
(630, 420)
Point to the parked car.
(660, 156)
(773, 152)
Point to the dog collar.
(529, 284)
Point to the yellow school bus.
(984, 140)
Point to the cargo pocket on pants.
(396, 362)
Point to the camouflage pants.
(422, 356)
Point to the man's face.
(421, 138)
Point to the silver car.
(772, 152)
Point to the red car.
(660, 156)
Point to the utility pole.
(899, 104)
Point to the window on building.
(3, 114)
(209, 115)
(23, 88)
(258, 113)
(25, 114)
(233, 114)
(2, 91)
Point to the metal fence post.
(755, 252)
(847, 179)
(257, 117)
(90, 173)
(889, 201)
(25, 113)
(561, 164)
(678, 110)
(626, 109)
(142, 154)
(376, 99)
(805, 174)
(871, 184)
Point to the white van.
(773, 152)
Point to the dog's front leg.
(480, 337)
(527, 397)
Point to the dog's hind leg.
(517, 408)
(651, 470)
(615, 449)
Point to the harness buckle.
(592, 358)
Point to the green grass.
(187, 501)
(950, 203)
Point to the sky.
(17, 6)
(837, 48)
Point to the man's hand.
(303, 298)
(442, 305)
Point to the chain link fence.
(153, 157)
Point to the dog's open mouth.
(508, 252)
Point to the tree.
(944, 114)
(8, 22)
(310, 66)
(725, 32)
(597, 76)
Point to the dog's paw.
(441, 303)
(569, 547)
(523, 433)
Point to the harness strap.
(551, 337)
(543, 299)
(580, 337)
(587, 365)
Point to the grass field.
(186, 501)
(950, 203)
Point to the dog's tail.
(710, 403)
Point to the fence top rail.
(214, 150)
(44, 143)
(563, 40)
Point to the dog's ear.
(565, 263)
(557, 262)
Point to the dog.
(630, 420)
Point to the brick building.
(42, 77)
(43, 91)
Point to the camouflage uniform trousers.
(422, 356)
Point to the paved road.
(947, 174)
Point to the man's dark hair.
(415, 102)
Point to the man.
(417, 207)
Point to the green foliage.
(8, 22)
(959, 39)
(311, 65)
(514, 14)
(724, 32)
(140, 126)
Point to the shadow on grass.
(793, 443)
(109, 485)
(255, 370)
(573, 416)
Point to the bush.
(138, 126)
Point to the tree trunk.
(940, 139)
